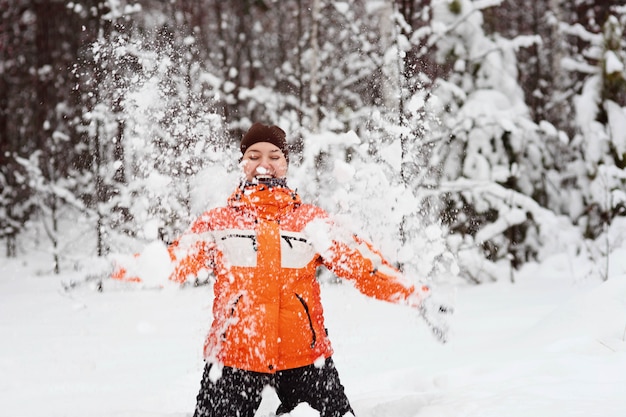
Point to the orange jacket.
(264, 248)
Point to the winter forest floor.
(550, 345)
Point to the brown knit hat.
(259, 132)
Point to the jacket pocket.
(308, 316)
(230, 319)
(296, 251)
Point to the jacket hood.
(269, 203)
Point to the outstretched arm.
(355, 259)
(186, 258)
(371, 273)
(191, 256)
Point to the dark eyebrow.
(258, 151)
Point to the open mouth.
(263, 174)
(269, 181)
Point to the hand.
(435, 308)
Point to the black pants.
(237, 393)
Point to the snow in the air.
(548, 340)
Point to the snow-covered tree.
(484, 135)
(16, 206)
(55, 204)
(454, 116)
(601, 141)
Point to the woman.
(268, 329)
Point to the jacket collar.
(268, 203)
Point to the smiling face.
(264, 160)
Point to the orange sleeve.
(189, 262)
(189, 254)
(192, 252)
(371, 273)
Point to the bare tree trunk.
(391, 67)
(11, 246)
(315, 47)
(54, 236)
(49, 212)
(298, 144)
(556, 56)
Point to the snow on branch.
(485, 4)
(511, 197)
(514, 208)
(525, 41)
(506, 219)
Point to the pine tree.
(486, 135)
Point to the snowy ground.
(550, 345)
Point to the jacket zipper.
(308, 315)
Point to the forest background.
(458, 134)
